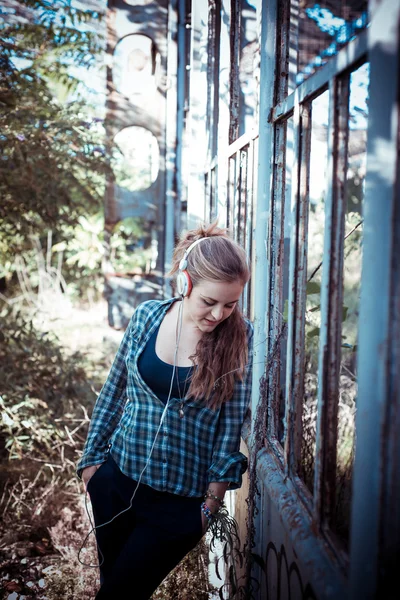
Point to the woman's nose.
(217, 313)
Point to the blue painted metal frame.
(375, 536)
(264, 191)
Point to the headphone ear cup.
(183, 283)
(189, 284)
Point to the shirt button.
(165, 461)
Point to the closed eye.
(212, 304)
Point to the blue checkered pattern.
(189, 452)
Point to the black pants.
(141, 546)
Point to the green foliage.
(84, 249)
(38, 384)
(313, 287)
(53, 161)
(127, 251)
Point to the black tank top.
(157, 373)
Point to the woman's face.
(211, 302)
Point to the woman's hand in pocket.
(88, 473)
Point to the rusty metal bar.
(301, 283)
(346, 58)
(292, 298)
(223, 110)
(234, 83)
(251, 251)
(247, 303)
(297, 286)
(183, 42)
(276, 242)
(230, 205)
(214, 32)
(276, 273)
(236, 200)
(331, 303)
(210, 75)
(282, 50)
(241, 232)
(242, 207)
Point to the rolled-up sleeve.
(228, 464)
(108, 408)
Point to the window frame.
(334, 75)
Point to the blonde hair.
(221, 355)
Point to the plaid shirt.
(189, 452)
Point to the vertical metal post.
(261, 233)
(181, 176)
(264, 189)
(251, 178)
(275, 299)
(214, 33)
(234, 83)
(110, 209)
(170, 141)
(297, 285)
(375, 532)
(293, 43)
(198, 107)
(223, 113)
(331, 301)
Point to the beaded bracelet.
(206, 511)
(209, 494)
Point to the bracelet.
(206, 511)
(209, 494)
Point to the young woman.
(163, 442)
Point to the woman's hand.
(88, 473)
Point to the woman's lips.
(211, 322)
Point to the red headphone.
(183, 282)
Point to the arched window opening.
(137, 160)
